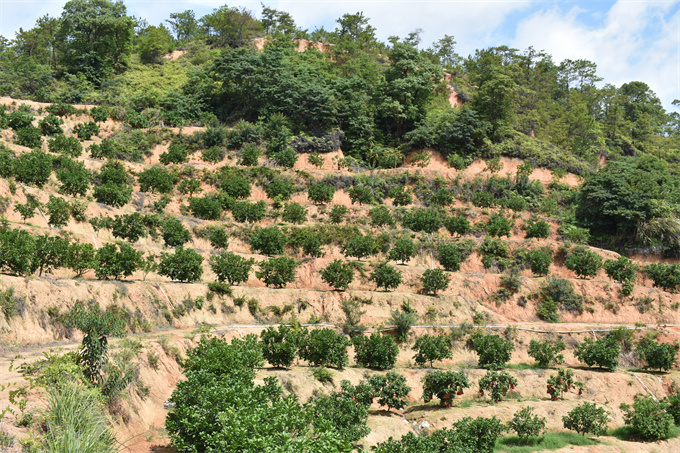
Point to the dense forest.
(176, 148)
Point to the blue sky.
(629, 40)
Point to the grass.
(521, 366)
(551, 441)
(628, 433)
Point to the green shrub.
(282, 188)
(130, 227)
(386, 276)
(622, 270)
(540, 229)
(58, 211)
(603, 352)
(498, 226)
(648, 418)
(51, 125)
(67, 146)
(294, 212)
(285, 158)
(20, 119)
(381, 216)
(99, 113)
(157, 179)
(457, 225)
(268, 241)
(495, 252)
(403, 320)
(236, 186)
(431, 348)
(277, 272)
(434, 280)
(587, 418)
(29, 137)
(86, 130)
(497, 383)
(245, 211)
(425, 220)
(325, 347)
(547, 353)
(176, 154)
(249, 155)
(390, 389)
(231, 267)
(664, 276)
(402, 250)
(401, 196)
(583, 262)
(338, 214)
(112, 185)
(574, 234)
(279, 347)
(540, 260)
(114, 262)
(358, 246)
(33, 168)
(377, 351)
(207, 207)
(174, 233)
(562, 293)
(189, 187)
(493, 351)
(445, 385)
(526, 424)
(659, 356)
(320, 193)
(338, 275)
(185, 265)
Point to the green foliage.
(81, 257)
(381, 216)
(560, 383)
(557, 293)
(20, 119)
(29, 137)
(434, 280)
(114, 262)
(51, 125)
(320, 193)
(244, 211)
(250, 155)
(499, 226)
(495, 252)
(338, 214)
(583, 262)
(282, 188)
(236, 186)
(50, 253)
(587, 418)
(338, 274)
(268, 241)
(526, 424)
(648, 418)
(457, 225)
(622, 270)
(358, 246)
(157, 179)
(603, 352)
(664, 276)
(425, 220)
(497, 383)
(403, 320)
(189, 186)
(540, 229)
(279, 347)
(294, 212)
(85, 131)
(401, 196)
(174, 233)
(390, 389)
(493, 351)
(130, 227)
(231, 267)
(547, 353)
(176, 154)
(445, 385)
(325, 347)
(207, 207)
(452, 255)
(99, 113)
(17, 249)
(386, 276)
(112, 185)
(58, 210)
(185, 265)
(431, 348)
(540, 260)
(402, 250)
(277, 272)
(75, 179)
(659, 356)
(672, 403)
(67, 146)
(377, 351)
(33, 168)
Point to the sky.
(628, 40)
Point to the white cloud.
(635, 41)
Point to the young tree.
(431, 348)
(445, 385)
(648, 418)
(294, 213)
(659, 356)
(81, 257)
(547, 353)
(231, 267)
(174, 233)
(279, 347)
(130, 227)
(268, 241)
(277, 272)
(402, 250)
(540, 260)
(325, 347)
(75, 179)
(386, 276)
(540, 229)
(114, 262)
(587, 418)
(338, 274)
(207, 207)
(337, 214)
(157, 179)
(497, 383)
(583, 262)
(526, 424)
(377, 351)
(320, 193)
(603, 352)
(390, 389)
(50, 253)
(493, 350)
(358, 246)
(457, 225)
(185, 265)
(498, 226)
(58, 211)
(434, 280)
(381, 216)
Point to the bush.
(189, 186)
(604, 352)
(377, 351)
(136, 120)
(445, 385)
(672, 403)
(325, 347)
(547, 353)
(75, 179)
(540, 260)
(425, 220)
(664, 276)
(659, 356)
(279, 347)
(361, 194)
(386, 276)
(183, 265)
(99, 113)
(320, 193)
(244, 211)
(29, 137)
(338, 214)
(557, 293)
(498, 384)
(207, 207)
(294, 213)
(381, 216)
(560, 383)
(51, 125)
(498, 226)
(86, 130)
(281, 188)
(540, 229)
(249, 155)
(157, 179)
(449, 257)
(231, 267)
(59, 211)
(50, 253)
(338, 275)
(17, 251)
(526, 424)
(113, 186)
(174, 233)
(457, 225)
(390, 389)
(20, 119)
(176, 154)
(33, 168)
(268, 241)
(285, 158)
(401, 195)
(81, 257)
(648, 418)
(434, 280)
(67, 146)
(493, 351)
(277, 272)
(583, 262)
(236, 186)
(130, 227)
(623, 271)
(431, 348)
(587, 418)
(402, 250)
(495, 252)
(358, 246)
(114, 262)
